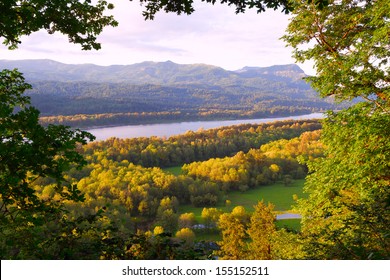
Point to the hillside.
(158, 73)
(164, 91)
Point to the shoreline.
(286, 117)
(168, 129)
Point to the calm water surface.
(169, 129)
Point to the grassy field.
(213, 235)
(175, 170)
(278, 194)
(294, 224)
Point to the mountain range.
(165, 91)
(161, 73)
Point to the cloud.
(213, 35)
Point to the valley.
(87, 96)
(179, 149)
(279, 189)
(149, 186)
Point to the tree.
(260, 231)
(234, 234)
(187, 235)
(187, 220)
(348, 41)
(29, 151)
(168, 220)
(275, 171)
(347, 213)
(210, 217)
(286, 245)
(186, 6)
(82, 21)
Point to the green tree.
(32, 226)
(81, 21)
(286, 245)
(348, 41)
(29, 151)
(168, 220)
(186, 6)
(346, 215)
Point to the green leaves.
(349, 43)
(347, 213)
(186, 7)
(11, 88)
(29, 151)
(80, 20)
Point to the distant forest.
(89, 95)
(96, 104)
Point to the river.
(170, 129)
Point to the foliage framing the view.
(349, 43)
(81, 21)
(187, 6)
(28, 151)
(347, 213)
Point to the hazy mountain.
(159, 73)
(156, 90)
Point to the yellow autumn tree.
(260, 231)
(234, 234)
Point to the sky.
(212, 35)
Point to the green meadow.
(175, 170)
(278, 194)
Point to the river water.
(170, 129)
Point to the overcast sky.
(212, 35)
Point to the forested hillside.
(158, 73)
(210, 194)
(136, 201)
(161, 92)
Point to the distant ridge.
(148, 72)
(85, 95)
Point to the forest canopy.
(55, 204)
